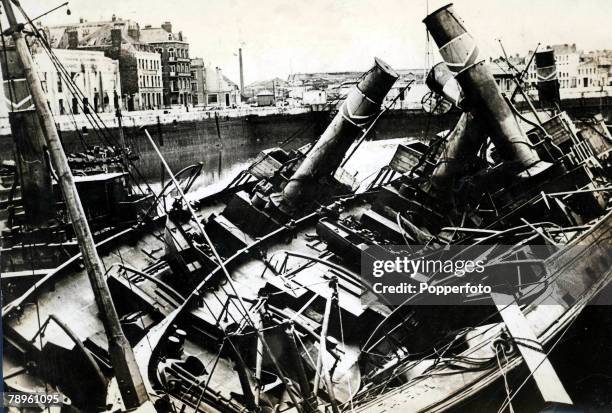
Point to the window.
(59, 83)
(212, 98)
(62, 109)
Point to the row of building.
(116, 62)
(580, 73)
(324, 88)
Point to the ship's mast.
(126, 370)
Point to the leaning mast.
(126, 370)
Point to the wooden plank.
(541, 369)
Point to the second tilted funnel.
(460, 53)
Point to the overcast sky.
(280, 37)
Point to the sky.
(280, 37)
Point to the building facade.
(595, 69)
(139, 64)
(265, 98)
(220, 91)
(150, 87)
(567, 59)
(210, 88)
(175, 62)
(580, 73)
(198, 82)
(96, 76)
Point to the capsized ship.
(251, 298)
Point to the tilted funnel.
(358, 111)
(442, 81)
(486, 103)
(460, 151)
(548, 83)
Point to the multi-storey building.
(149, 79)
(211, 88)
(198, 82)
(139, 64)
(96, 76)
(567, 59)
(176, 65)
(595, 69)
(580, 74)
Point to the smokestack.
(73, 39)
(442, 81)
(548, 83)
(357, 112)
(459, 153)
(241, 71)
(460, 52)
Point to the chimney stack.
(116, 38)
(73, 39)
(167, 26)
(134, 32)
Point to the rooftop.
(160, 35)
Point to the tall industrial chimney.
(241, 71)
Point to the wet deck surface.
(72, 299)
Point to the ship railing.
(384, 177)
